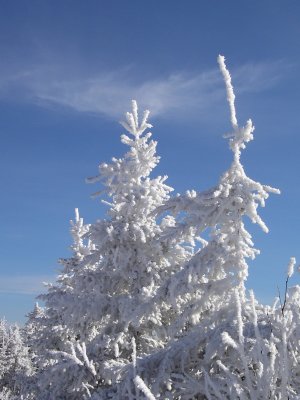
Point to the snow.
(146, 308)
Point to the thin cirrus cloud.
(31, 285)
(108, 93)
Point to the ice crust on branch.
(140, 385)
(229, 90)
(240, 136)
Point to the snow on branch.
(240, 135)
(140, 384)
(291, 267)
(73, 357)
(132, 121)
(229, 90)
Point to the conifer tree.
(47, 327)
(90, 312)
(15, 362)
(140, 311)
(203, 292)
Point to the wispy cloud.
(180, 94)
(24, 284)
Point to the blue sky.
(68, 71)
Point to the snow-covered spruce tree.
(97, 298)
(34, 330)
(203, 293)
(47, 327)
(15, 362)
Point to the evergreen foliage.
(146, 308)
(15, 362)
(89, 320)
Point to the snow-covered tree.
(56, 320)
(15, 362)
(148, 308)
(221, 264)
(201, 295)
(88, 325)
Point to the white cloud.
(181, 94)
(24, 284)
(110, 95)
